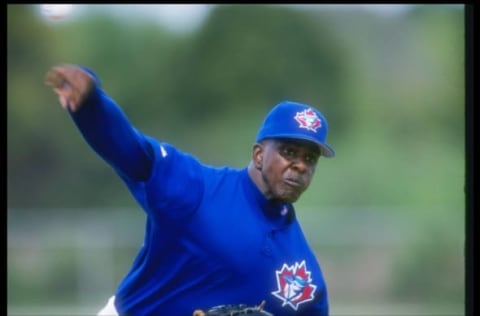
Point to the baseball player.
(214, 235)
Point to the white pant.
(109, 309)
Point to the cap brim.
(325, 150)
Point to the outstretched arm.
(101, 121)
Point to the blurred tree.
(34, 160)
(391, 87)
(253, 56)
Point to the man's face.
(286, 166)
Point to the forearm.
(108, 131)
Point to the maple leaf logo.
(308, 119)
(294, 285)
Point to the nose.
(300, 165)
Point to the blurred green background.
(386, 216)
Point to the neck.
(256, 176)
(269, 207)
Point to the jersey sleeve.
(107, 130)
(176, 185)
(164, 180)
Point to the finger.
(54, 78)
(63, 102)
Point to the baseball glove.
(234, 310)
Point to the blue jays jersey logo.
(308, 119)
(294, 285)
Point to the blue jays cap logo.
(294, 285)
(308, 119)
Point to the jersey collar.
(272, 210)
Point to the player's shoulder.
(168, 151)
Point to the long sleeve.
(108, 131)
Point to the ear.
(257, 155)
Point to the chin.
(288, 198)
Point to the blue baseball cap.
(293, 120)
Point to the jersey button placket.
(267, 245)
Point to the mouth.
(294, 183)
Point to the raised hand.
(71, 83)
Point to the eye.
(311, 158)
(289, 152)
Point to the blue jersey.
(211, 236)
